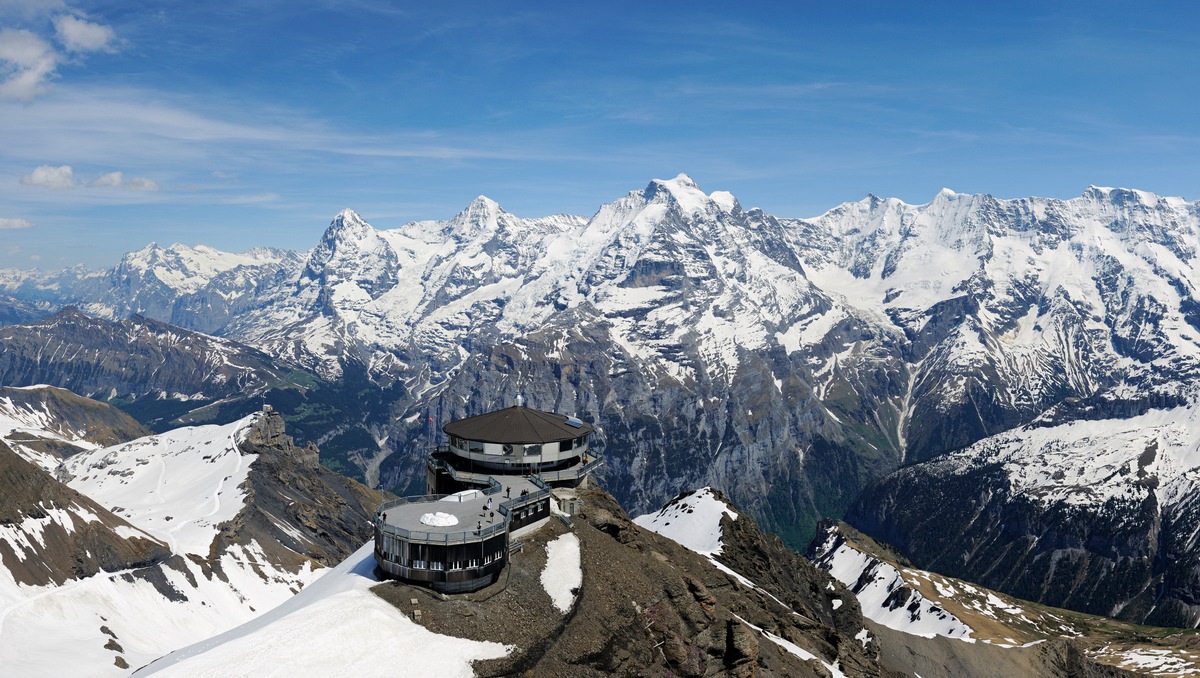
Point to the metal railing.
(572, 473)
(493, 487)
(517, 502)
(524, 467)
(425, 537)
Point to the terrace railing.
(572, 473)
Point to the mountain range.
(215, 550)
(880, 362)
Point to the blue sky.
(254, 125)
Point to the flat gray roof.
(470, 513)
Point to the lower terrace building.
(492, 483)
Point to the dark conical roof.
(517, 425)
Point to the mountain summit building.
(493, 482)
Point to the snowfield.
(177, 486)
(692, 521)
(334, 627)
(59, 631)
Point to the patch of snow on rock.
(563, 574)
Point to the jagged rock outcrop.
(295, 508)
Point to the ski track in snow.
(160, 499)
(168, 534)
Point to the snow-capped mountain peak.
(352, 259)
(186, 269)
(479, 222)
(685, 193)
(347, 227)
(482, 205)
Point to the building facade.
(493, 479)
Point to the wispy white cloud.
(28, 60)
(26, 63)
(141, 184)
(80, 35)
(147, 129)
(9, 223)
(108, 179)
(27, 10)
(117, 180)
(251, 199)
(50, 177)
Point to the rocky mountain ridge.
(45, 424)
(1094, 515)
(934, 625)
(642, 605)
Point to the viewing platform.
(441, 460)
(493, 480)
(456, 542)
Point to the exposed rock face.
(50, 534)
(129, 359)
(648, 606)
(326, 516)
(1109, 559)
(1098, 516)
(773, 444)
